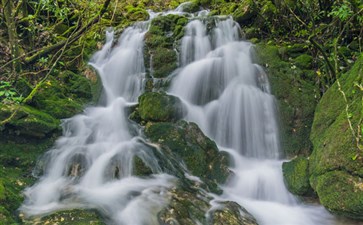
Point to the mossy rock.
(336, 160)
(76, 217)
(189, 207)
(64, 96)
(244, 11)
(341, 193)
(296, 175)
(140, 167)
(164, 61)
(304, 61)
(297, 98)
(198, 152)
(160, 107)
(27, 121)
(160, 40)
(334, 144)
(229, 213)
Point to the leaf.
(355, 157)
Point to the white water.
(90, 166)
(229, 97)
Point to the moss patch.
(341, 193)
(187, 141)
(27, 121)
(164, 32)
(296, 175)
(297, 98)
(155, 106)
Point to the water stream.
(225, 93)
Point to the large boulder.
(336, 163)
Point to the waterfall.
(229, 97)
(225, 93)
(91, 165)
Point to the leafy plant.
(8, 93)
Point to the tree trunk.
(12, 35)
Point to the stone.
(296, 176)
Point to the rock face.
(336, 164)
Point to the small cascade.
(229, 97)
(91, 165)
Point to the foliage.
(8, 94)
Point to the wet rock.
(160, 40)
(189, 208)
(296, 175)
(189, 144)
(159, 107)
(230, 213)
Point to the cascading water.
(227, 95)
(91, 165)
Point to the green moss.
(2, 191)
(164, 32)
(140, 167)
(187, 141)
(335, 167)
(27, 121)
(341, 193)
(304, 61)
(76, 217)
(297, 98)
(164, 61)
(229, 213)
(64, 96)
(155, 106)
(136, 13)
(334, 144)
(17, 157)
(296, 175)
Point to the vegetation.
(309, 48)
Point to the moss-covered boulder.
(26, 121)
(160, 107)
(198, 152)
(297, 97)
(296, 175)
(336, 160)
